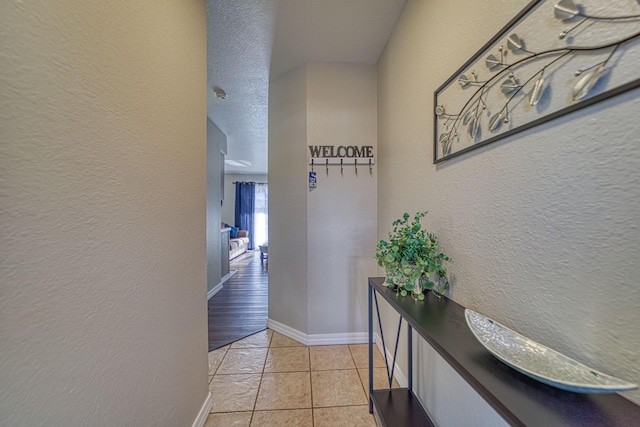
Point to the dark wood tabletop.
(520, 400)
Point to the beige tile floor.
(268, 379)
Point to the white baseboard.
(228, 276)
(204, 412)
(287, 331)
(334, 339)
(318, 339)
(217, 288)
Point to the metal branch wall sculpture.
(553, 58)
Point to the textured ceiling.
(253, 41)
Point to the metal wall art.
(553, 58)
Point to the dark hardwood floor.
(240, 308)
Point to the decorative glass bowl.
(539, 362)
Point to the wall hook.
(355, 164)
(341, 170)
(327, 166)
(311, 165)
(370, 171)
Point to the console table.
(520, 400)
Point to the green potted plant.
(411, 259)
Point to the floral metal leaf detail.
(474, 125)
(444, 138)
(514, 42)
(536, 93)
(509, 85)
(587, 82)
(517, 80)
(467, 117)
(495, 122)
(445, 142)
(565, 9)
(492, 61)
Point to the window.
(261, 218)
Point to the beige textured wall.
(102, 186)
(321, 241)
(543, 227)
(341, 211)
(288, 200)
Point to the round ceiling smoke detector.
(219, 93)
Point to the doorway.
(240, 308)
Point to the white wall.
(216, 146)
(341, 211)
(321, 241)
(103, 271)
(542, 226)
(229, 205)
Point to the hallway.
(258, 377)
(268, 379)
(240, 308)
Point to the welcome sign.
(341, 155)
(341, 151)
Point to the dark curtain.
(245, 207)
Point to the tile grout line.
(313, 412)
(366, 395)
(221, 360)
(261, 377)
(312, 407)
(364, 386)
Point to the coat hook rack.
(342, 162)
